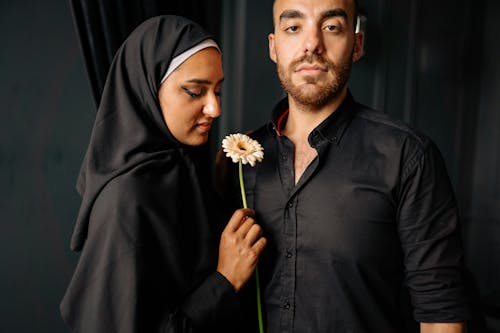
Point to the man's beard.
(315, 96)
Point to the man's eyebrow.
(334, 13)
(291, 14)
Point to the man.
(358, 210)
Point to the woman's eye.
(191, 93)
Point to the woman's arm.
(240, 247)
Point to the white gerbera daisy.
(242, 148)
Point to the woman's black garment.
(147, 237)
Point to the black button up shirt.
(367, 238)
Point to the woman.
(146, 228)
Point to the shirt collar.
(331, 129)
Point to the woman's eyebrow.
(199, 81)
(203, 81)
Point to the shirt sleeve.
(219, 301)
(113, 287)
(429, 230)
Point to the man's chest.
(339, 211)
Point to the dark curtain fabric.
(103, 25)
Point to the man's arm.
(442, 328)
(429, 230)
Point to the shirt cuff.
(441, 304)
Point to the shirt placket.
(289, 263)
(289, 245)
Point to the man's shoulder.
(375, 122)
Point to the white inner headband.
(177, 61)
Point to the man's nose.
(313, 41)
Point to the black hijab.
(129, 129)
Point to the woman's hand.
(240, 246)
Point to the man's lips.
(310, 68)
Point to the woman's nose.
(212, 107)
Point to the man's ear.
(358, 46)
(272, 48)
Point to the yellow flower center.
(244, 146)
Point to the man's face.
(314, 45)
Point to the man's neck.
(302, 119)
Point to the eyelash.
(328, 28)
(191, 94)
(195, 96)
(335, 28)
(289, 29)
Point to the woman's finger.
(237, 219)
(259, 245)
(245, 227)
(253, 234)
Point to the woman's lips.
(205, 126)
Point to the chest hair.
(304, 155)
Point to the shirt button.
(284, 157)
(290, 204)
(288, 254)
(287, 305)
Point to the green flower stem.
(242, 185)
(259, 306)
(257, 281)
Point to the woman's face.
(190, 97)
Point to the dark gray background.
(431, 63)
